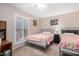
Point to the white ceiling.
(51, 10)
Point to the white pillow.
(68, 33)
(46, 33)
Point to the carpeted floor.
(53, 50)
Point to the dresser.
(5, 46)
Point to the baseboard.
(17, 46)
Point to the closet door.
(25, 27)
(18, 29)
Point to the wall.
(34, 29)
(7, 14)
(64, 20)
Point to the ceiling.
(51, 9)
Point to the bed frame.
(67, 52)
(38, 44)
(74, 30)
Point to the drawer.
(5, 47)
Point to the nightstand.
(56, 38)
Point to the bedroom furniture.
(3, 30)
(2, 25)
(70, 31)
(69, 52)
(41, 40)
(40, 43)
(5, 45)
(56, 38)
(20, 29)
(37, 44)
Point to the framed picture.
(34, 22)
(54, 22)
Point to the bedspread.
(69, 41)
(40, 37)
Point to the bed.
(69, 43)
(43, 39)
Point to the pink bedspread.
(69, 41)
(41, 38)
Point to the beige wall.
(7, 14)
(34, 29)
(64, 20)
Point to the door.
(20, 29)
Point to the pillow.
(46, 33)
(68, 34)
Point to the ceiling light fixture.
(39, 5)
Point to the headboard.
(74, 30)
(70, 31)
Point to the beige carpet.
(30, 51)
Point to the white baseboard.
(17, 46)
